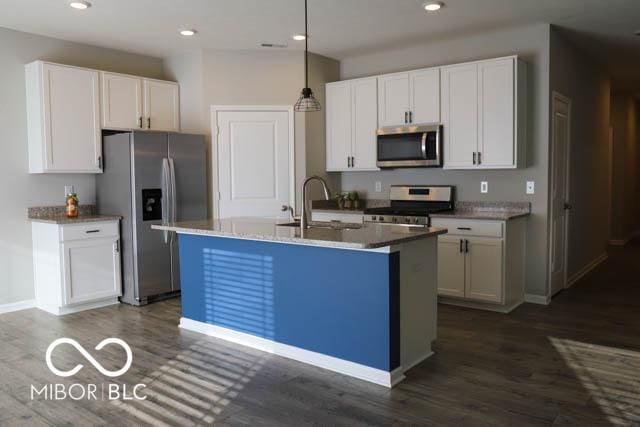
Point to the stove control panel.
(400, 220)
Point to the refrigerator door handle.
(166, 196)
(174, 196)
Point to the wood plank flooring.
(574, 362)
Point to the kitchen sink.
(330, 225)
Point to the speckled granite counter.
(497, 211)
(367, 236)
(56, 215)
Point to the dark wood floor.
(575, 362)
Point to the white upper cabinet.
(161, 105)
(63, 114)
(338, 122)
(424, 90)
(409, 98)
(393, 99)
(351, 119)
(130, 102)
(460, 115)
(121, 101)
(484, 114)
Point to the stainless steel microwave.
(410, 147)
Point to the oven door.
(415, 146)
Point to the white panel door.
(451, 266)
(460, 115)
(91, 270)
(364, 124)
(254, 163)
(393, 99)
(161, 105)
(121, 101)
(559, 192)
(339, 132)
(496, 121)
(72, 120)
(424, 89)
(484, 269)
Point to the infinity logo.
(90, 358)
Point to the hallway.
(574, 362)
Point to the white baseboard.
(16, 306)
(345, 367)
(586, 269)
(498, 308)
(624, 241)
(537, 299)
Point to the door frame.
(557, 96)
(215, 178)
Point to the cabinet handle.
(461, 245)
(117, 246)
(406, 117)
(348, 161)
(353, 162)
(410, 116)
(149, 122)
(92, 231)
(466, 246)
(464, 228)
(140, 122)
(479, 158)
(474, 157)
(99, 162)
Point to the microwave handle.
(424, 145)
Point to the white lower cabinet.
(76, 266)
(481, 263)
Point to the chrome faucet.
(327, 195)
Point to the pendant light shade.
(307, 102)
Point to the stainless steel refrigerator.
(151, 178)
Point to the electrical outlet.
(531, 187)
(378, 186)
(484, 187)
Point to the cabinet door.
(424, 89)
(121, 101)
(339, 132)
(161, 105)
(393, 99)
(91, 270)
(496, 130)
(364, 94)
(484, 270)
(460, 115)
(71, 119)
(450, 266)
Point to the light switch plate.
(378, 186)
(531, 187)
(484, 187)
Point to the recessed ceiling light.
(80, 4)
(433, 6)
(188, 33)
(299, 37)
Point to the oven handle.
(424, 145)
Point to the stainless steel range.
(411, 205)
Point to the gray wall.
(20, 190)
(532, 44)
(225, 77)
(625, 201)
(575, 75)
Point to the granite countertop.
(56, 215)
(497, 211)
(368, 236)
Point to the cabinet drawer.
(469, 227)
(89, 230)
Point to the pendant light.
(307, 102)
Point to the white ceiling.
(338, 28)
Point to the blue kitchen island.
(359, 300)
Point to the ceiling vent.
(274, 45)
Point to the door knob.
(568, 207)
